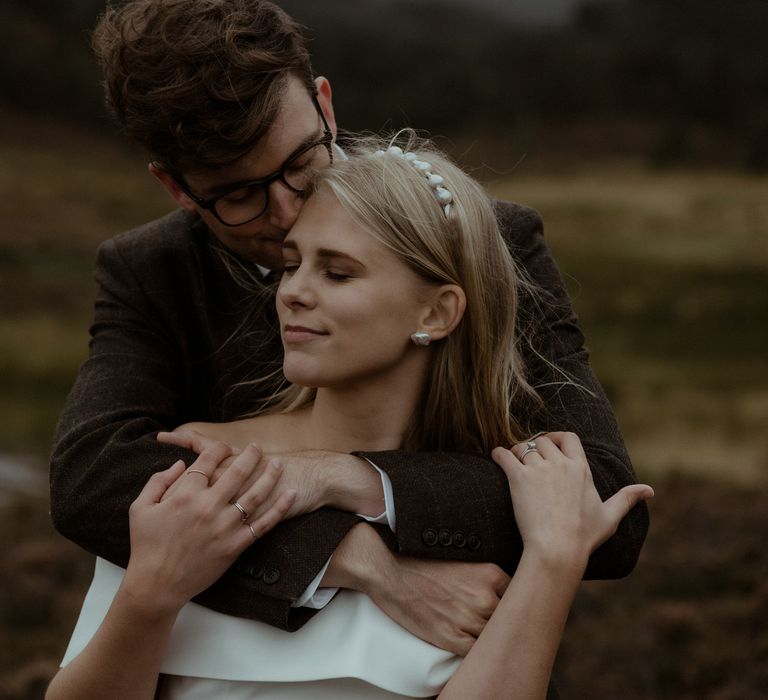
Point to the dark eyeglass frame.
(210, 204)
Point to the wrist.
(146, 600)
(565, 562)
(361, 560)
(353, 485)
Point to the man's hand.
(444, 603)
(320, 478)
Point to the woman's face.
(347, 304)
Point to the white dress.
(348, 650)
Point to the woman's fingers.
(618, 505)
(258, 494)
(569, 444)
(527, 452)
(274, 515)
(230, 483)
(507, 460)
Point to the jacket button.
(473, 542)
(271, 576)
(445, 537)
(459, 540)
(429, 536)
(256, 571)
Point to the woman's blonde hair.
(476, 371)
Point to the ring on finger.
(198, 471)
(253, 532)
(243, 512)
(530, 446)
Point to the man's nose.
(284, 205)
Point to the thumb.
(618, 505)
(159, 483)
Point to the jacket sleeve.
(458, 507)
(132, 385)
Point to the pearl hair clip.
(443, 196)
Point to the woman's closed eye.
(337, 276)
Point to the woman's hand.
(557, 508)
(184, 538)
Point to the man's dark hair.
(198, 82)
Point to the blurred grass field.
(668, 272)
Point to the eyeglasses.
(249, 200)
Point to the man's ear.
(445, 311)
(325, 100)
(172, 187)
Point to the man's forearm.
(353, 485)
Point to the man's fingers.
(277, 511)
(181, 439)
(159, 483)
(258, 494)
(461, 644)
(230, 483)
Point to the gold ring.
(243, 513)
(198, 471)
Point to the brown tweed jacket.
(167, 347)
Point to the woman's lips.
(300, 334)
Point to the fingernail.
(277, 465)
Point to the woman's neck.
(370, 415)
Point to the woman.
(387, 314)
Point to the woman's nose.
(295, 290)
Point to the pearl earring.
(421, 338)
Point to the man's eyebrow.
(226, 187)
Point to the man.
(221, 95)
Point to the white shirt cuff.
(388, 516)
(317, 597)
(314, 596)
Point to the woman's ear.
(171, 186)
(445, 312)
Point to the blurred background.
(638, 128)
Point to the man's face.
(297, 124)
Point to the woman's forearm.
(122, 660)
(513, 656)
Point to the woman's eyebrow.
(324, 252)
(330, 253)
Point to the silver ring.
(198, 471)
(243, 513)
(253, 532)
(529, 447)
